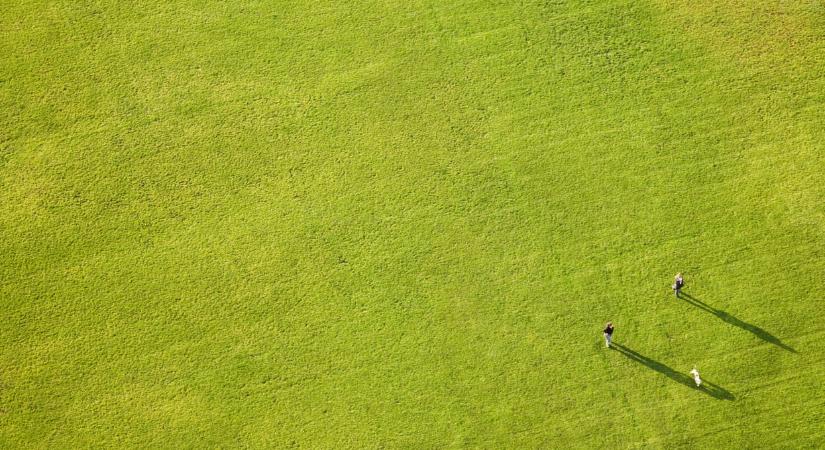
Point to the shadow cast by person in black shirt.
(707, 387)
(758, 332)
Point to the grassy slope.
(404, 223)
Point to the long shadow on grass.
(758, 332)
(708, 388)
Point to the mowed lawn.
(405, 223)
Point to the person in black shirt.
(608, 333)
(678, 283)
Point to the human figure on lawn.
(678, 284)
(696, 378)
(608, 334)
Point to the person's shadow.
(707, 387)
(758, 332)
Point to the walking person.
(696, 378)
(608, 334)
(678, 283)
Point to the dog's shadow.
(707, 387)
(758, 332)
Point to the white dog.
(696, 378)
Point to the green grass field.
(404, 224)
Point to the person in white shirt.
(696, 378)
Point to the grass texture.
(404, 223)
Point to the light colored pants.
(607, 339)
